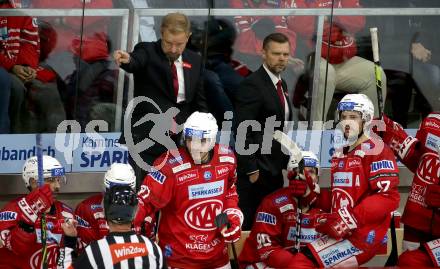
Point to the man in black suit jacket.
(170, 75)
(261, 96)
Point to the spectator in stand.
(5, 81)
(83, 67)
(30, 83)
(346, 71)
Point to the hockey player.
(191, 190)
(20, 219)
(272, 241)
(364, 180)
(92, 224)
(421, 215)
(121, 248)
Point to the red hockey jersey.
(190, 196)
(366, 180)
(274, 230)
(92, 224)
(423, 160)
(23, 249)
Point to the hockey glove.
(396, 137)
(143, 222)
(432, 196)
(35, 203)
(312, 192)
(337, 225)
(297, 187)
(231, 231)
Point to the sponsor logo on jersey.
(227, 159)
(341, 198)
(305, 221)
(201, 246)
(125, 251)
(266, 218)
(168, 251)
(341, 164)
(428, 170)
(343, 251)
(8, 215)
(157, 176)
(285, 208)
(224, 150)
(381, 165)
(307, 235)
(343, 179)
(201, 215)
(52, 257)
(174, 160)
(187, 176)
(281, 199)
(206, 190)
(432, 124)
(432, 141)
(98, 215)
(96, 206)
(221, 170)
(207, 175)
(384, 240)
(370, 237)
(353, 163)
(81, 222)
(181, 167)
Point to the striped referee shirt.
(119, 250)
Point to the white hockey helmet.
(294, 161)
(200, 125)
(120, 174)
(356, 102)
(310, 160)
(51, 168)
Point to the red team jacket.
(365, 179)
(342, 42)
(274, 231)
(22, 249)
(190, 197)
(92, 224)
(422, 159)
(19, 41)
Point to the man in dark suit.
(170, 76)
(262, 95)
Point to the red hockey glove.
(35, 203)
(312, 192)
(298, 187)
(232, 231)
(337, 225)
(432, 196)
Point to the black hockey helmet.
(120, 202)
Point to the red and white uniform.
(19, 40)
(92, 224)
(422, 159)
(23, 249)
(342, 43)
(272, 239)
(365, 181)
(190, 196)
(247, 40)
(421, 221)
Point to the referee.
(122, 248)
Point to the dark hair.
(275, 37)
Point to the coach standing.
(262, 95)
(167, 73)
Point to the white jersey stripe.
(120, 240)
(137, 260)
(91, 257)
(106, 254)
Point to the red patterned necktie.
(175, 79)
(280, 93)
